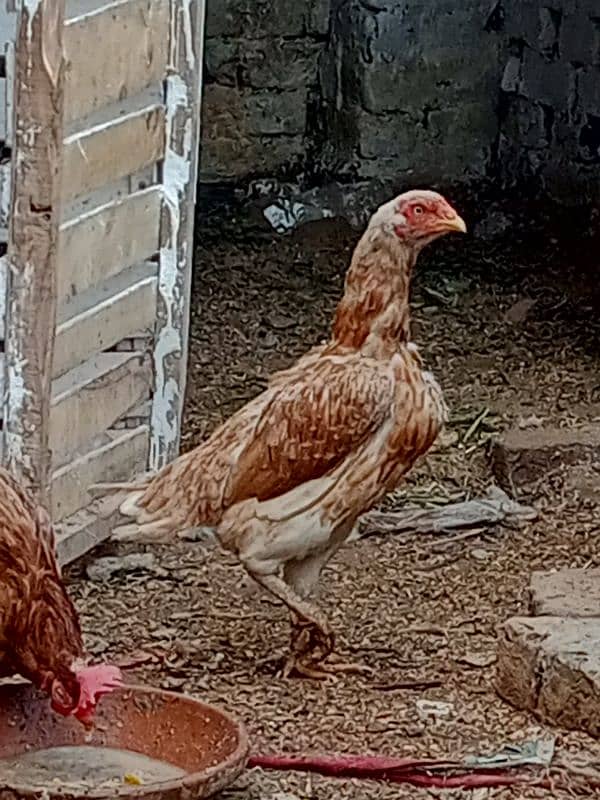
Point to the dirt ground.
(415, 609)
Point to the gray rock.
(103, 569)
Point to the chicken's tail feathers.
(184, 494)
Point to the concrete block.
(318, 17)
(547, 82)
(221, 59)
(579, 40)
(588, 85)
(280, 64)
(272, 112)
(241, 132)
(255, 18)
(551, 666)
(520, 457)
(566, 593)
(388, 136)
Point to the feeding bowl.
(146, 744)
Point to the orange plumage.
(40, 635)
(285, 479)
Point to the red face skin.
(427, 216)
(78, 696)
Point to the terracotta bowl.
(207, 743)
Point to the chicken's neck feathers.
(376, 297)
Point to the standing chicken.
(285, 479)
(40, 636)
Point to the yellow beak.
(457, 224)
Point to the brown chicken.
(40, 636)
(285, 479)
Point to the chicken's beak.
(456, 224)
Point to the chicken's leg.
(312, 639)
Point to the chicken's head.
(77, 693)
(418, 217)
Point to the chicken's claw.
(312, 653)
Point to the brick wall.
(550, 97)
(421, 90)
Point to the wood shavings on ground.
(422, 610)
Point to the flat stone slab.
(566, 593)
(521, 457)
(551, 667)
(549, 663)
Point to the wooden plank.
(3, 286)
(180, 166)
(89, 399)
(120, 456)
(3, 109)
(113, 311)
(8, 23)
(112, 150)
(105, 241)
(9, 53)
(5, 192)
(2, 378)
(85, 530)
(138, 33)
(31, 285)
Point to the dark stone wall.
(423, 91)
(549, 126)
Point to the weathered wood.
(9, 53)
(133, 54)
(177, 230)
(31, 285)
(3, 284)
(112, 150)
(3, 109)
(2, 375)
(87, 400)
(106, 240)
(120, 455)
(104, 315)
(5, 193)
(83, 531)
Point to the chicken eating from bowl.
(40, 634)
(284, 481)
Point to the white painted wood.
(112, 150)
(75, 8)
(9, 52)
(87, 400)
(8, 23)
(34, 222)
(110, 193)
(3, 288)
(3, 109)
(2, 379)
(183, 90)
(5, 188)
(106, 240)
(134, 55)
(119, 456)
(104, 315)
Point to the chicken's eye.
(418, 210)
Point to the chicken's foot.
(312, 653)
(312, 641)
